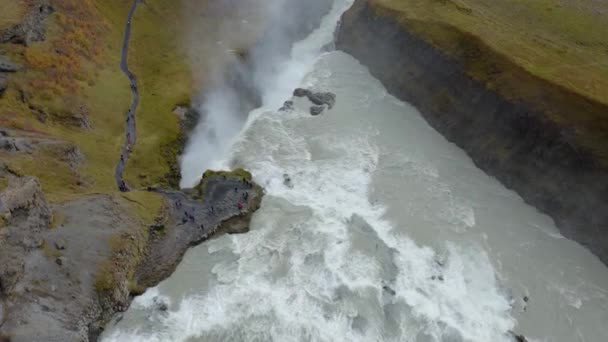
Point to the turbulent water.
(385, 232)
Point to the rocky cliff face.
(525, 141)
(68, 268)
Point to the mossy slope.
(550, 57)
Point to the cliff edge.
(516, 85)
(67, 268)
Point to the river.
(385, 232)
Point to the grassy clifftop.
(70, 88)
(551, 55)
(562, 41)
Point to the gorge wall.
(515, 126)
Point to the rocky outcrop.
(6, 65)
(295, 21)
(521, 134)
(31, 29)
(222, 202)
(316, 110)
(321, 100)
(67, 268)
(318, 98)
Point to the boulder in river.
(316, 110)
(323, 98)
(287, 181)
(301, 92)
(518, 337)
(318, 98)
(287, 106)
(160, 304)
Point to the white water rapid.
(386, 232)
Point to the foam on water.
(300, 274)
(325, 260)
(219, 129)
(248, 303)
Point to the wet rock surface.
(316, 110)
(322, 100)
(222, 203)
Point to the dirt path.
(131, 136)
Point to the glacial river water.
(386, 232)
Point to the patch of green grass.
(105, 278)
(58, 181)
(135, 289)
(148, 206)
(57, 219)
(239, 173)
(49, 251)
(164, 80)
(3, 183)
(565, 43)
(11, 13)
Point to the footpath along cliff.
(97, 99)
(74, 249)
(520, 86)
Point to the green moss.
(135, 289)
(105, 278)
(57, 219)
(3, 183)
(236, 173)
(105, 96)
(57, 180)
(165, 79)
(50, 252)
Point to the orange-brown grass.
(60, 66)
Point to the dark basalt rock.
(287, 106)
(316, 110)
(301, 92)
(318, 98)
(518, 337)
